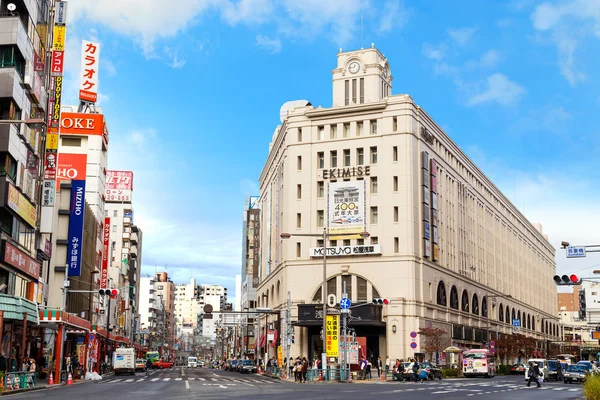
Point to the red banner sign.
(58, 58)
(105, 240)
(21, 261)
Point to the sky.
(191, 91)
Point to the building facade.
(165, 289)
(445, 245)
(186, 307)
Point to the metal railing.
(19, 380)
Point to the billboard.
(58, 62)
(19, 204)
(21, 261)
(76, 217)
(90, 54)
(333, 344)
(71, 167)
(105, 244)
(60, 36)
(119, 185)
(81, 124)
(346, 209)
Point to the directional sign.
(345, 303)
(575, 251)
(516, 322)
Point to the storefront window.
(6, 221)
(20, 287)
(26, 236)
(3, 281)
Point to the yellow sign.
(332, 336)
(279, 356)
(52, 141)
(595, 335)
(60, 34)
(19, 204)
(436, 252)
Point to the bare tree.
(434, 339)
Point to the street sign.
(492, 347)
(595, 335)
(345, 311)
(516, 322)
(345, 303)
(575, 251)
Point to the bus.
(152, 356)
(478, 362)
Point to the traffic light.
(381, 301)
(108, 292)
(567, 280)
(582, 309)
(293, 338)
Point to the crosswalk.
(218, 380)
(473, 388)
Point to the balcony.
(127, 221)
(133, 251)
(10, 84)
(13, 32)
(126, 235)
(134, 237)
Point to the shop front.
(21, 337)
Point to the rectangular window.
(346, 157)
(333, 159)
(373, 184)
(298, 191)
(299, 135)
(374, 215)
(395, 184)
(334, 131)
(114, 228)
(374, 127)
(72, 142)
(396, 245)
(346, 130)
(299, 163)
(321, 133)
(395, 213)
(360, 242)
(374, 155)
(320, 218)
(359, 128)
(115, 213)
(353, 91)
(395, 124)
(395, 153)
(347, 281)
(298, 220)
(298, 249)
(362, 90)
(333, 243)
(320, 189)
(320, 160)
(347, 92)
(360, 156)
(319, 242)
(332, 286)
(374, 240)
(346, 242)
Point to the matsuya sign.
(346, 250)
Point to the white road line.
(177, 379)
(187, 385)
(129, 380)
(191, 379)
(443, 391)
(201, 379)
(141, 380)
(116, 380)
(166, 379)
(154, 379)
(573, 390)
(214, 379)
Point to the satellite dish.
(290, 105)
(11, 7)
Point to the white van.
(124, 360)
(542, 364)
(192, 362)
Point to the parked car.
(517, 369)
(398, 374)
(162, 364)
(555, 370)
(586, 364)
(575, 373)
(140, 364)
(247, 366)
(433, 371)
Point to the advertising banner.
(332, 335)
(19, 204)
(48, 192)
(76, 216)
(58, 62)
(346, 209)
(71, 167)
(55, 111)
(60, 16)
(119, 185)
(105, 242)
(60, 34)
(81, 124)
(21, 261)
(90, 54)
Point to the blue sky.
(191, 90)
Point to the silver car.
(575, 373)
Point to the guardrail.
(19, 380)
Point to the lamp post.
(325, 236)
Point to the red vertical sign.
(105, 240)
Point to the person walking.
(534, 374)
(415, 371)
(379, 367)
(148, 366)
(388, 364)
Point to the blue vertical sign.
(75, 245)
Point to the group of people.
(299, 368)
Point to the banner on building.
(19, 204)
(346, 209)
(90, 54)
(58, 62)
(332, 336)
(105, 247)
(119, 185)
(60, 16)
(60, 38)
(71, 167)
(76, 216)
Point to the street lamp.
(325, 236)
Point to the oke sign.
(90, 55)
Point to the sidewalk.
(41, 386)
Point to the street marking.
(154, 379)
(116, 380)
(214, 379)
(178, 379)
(166, 379)
(129, 380)
(142, 380)
(224, 387)
(187, 385)
(201, 379)
(191, 379)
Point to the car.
(517, 369)
(140, 364)
(232, 365)
(162, 364)
(247, 366)
(586, 364)
(398, 373)
(555, 370)
(575, 373)
(433, 371)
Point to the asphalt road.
(186, 383)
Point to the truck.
(124, 361)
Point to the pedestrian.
(368, 369)
(304, 370)
(534, 374)
(148, 366)
(415, 371)
(388, 364)
(379, 367)
(290, 364)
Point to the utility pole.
(288, 319)
(344, 339)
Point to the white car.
(543, 366)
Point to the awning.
(372, 323)
(71, 320)
(14, 307)
(77, 331)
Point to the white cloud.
(247, 11)
(489, 59)
(174, 59)
(434, 52)
(462, 36)
(498, 89)
(271, 45)
(393, 15)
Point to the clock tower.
(362, 76)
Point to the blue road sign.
(516, 322)
(345, 303)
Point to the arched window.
(528, 321)
(465, 301)
(441, 295)
(519, 316)
(484, 307)
(335, 285)
(500, 312)
(514, 315)
(507, 319)
(475, 304)
(454, 298)
(532, 323)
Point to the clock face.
(385, 72)
(354, 67)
